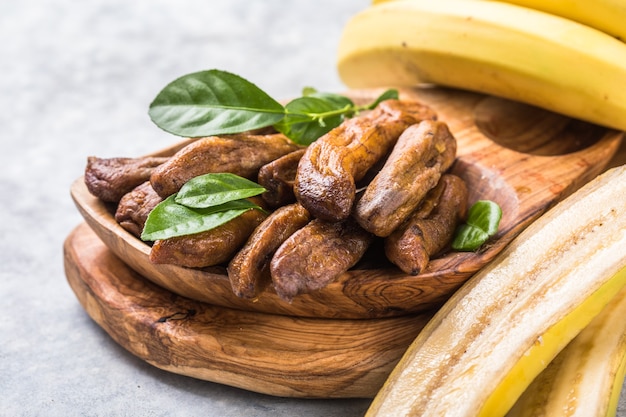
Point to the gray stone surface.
(76, 79)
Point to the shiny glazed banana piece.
(483, 348)
(586, 378)
(490, 47)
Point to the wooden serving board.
(266, 353)
(341, 342)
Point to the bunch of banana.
(484, 347)
(493, 47)
(586, 377)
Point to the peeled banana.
(483, 348)
(585, 379)
(491, 47)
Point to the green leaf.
(469, 238)
(213, 102)
(216, 188)
(308, 118)
(170, 219)
(482, 223)
(308, 91)
(338, 101)
(485, 215)
(390, 94)
(314, 114)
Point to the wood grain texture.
(270, 354)
(521, 157)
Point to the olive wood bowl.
(523, 158)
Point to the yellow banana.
(585, 379)
(609, 16)
(484, 347)
(491, 47)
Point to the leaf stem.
(314, 116)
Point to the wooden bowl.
(521, 157)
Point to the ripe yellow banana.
(492, 47)
(608, 16)
(585, 379)
(484, 347)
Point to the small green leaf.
(485, 215)
(338, 101)
(213, 102)
(216, 188)
(390, 94)
(469, 238)
(314, 114)
(308, 91)
(482, 223)
(308, 118)
(170, 219)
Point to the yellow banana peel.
(485, 346)
(585, 379)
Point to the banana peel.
(486, 345)
(586, 377)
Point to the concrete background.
(76, 79)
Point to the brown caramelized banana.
(278, 177)
(241, 154)
(110, 178)
(424, 234)
(135, 206)
(208, 248)
(249, 268)
(423, 152)
(328, 171)
(316, 255)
